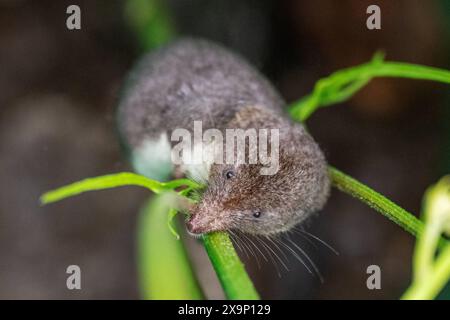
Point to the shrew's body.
(194, 80)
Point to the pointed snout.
(194, 225)
(204, 221)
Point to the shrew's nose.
(194, 225)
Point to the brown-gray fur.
(192, 80)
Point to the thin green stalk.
(432, 284)
(164, 268)
(431, 268)
(376, 201)
(343, 84)
(229, 268)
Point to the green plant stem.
(426, 249)
(343, 84)
(376, 201)
(164, 268)
(432, 284)
(229, 268)
(431, 268)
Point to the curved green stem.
(229, 268)
(431, 268)
(344, 83)
(432, 283)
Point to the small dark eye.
(229, 174)
(257, 214)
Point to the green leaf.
(113, 181)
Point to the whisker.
(276, 255)
(247, 245)
(295, 231)
(256, 247)
(296, 255)
(234, 239)
(269, 252)
(319, 275)
(276, 246)
(242, 246)
(320, 241)
(250, 242)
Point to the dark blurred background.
(58, 90)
